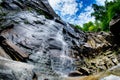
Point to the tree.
(99, 12)
(90, 26)
(103, 16)
(105, 13)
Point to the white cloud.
(86, 16)
(55, 3)
(69, 8)
(66, 7)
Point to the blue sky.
(75, 11)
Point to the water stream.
(49, 51)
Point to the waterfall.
(41, 33)
(64, 63)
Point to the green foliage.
(113, 9)
(103, 15)
(91, 27)
(99, 11)
(87, 25)
(78, 27)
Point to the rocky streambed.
(35, 44)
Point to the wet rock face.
(12, 70)
(48, 42)
(38, 5)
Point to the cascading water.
(53, 58)
(45, 41)
(63, 63)
(49, 43)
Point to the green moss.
(78, 27)
(117, 52)
(26, 22)
(46, 14)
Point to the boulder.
(12, 70)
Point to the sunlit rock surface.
(111, 77)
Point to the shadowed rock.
(115, 25)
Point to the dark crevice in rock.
(24, 46)
(60, 21)
(18, 4)
(6, 27)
